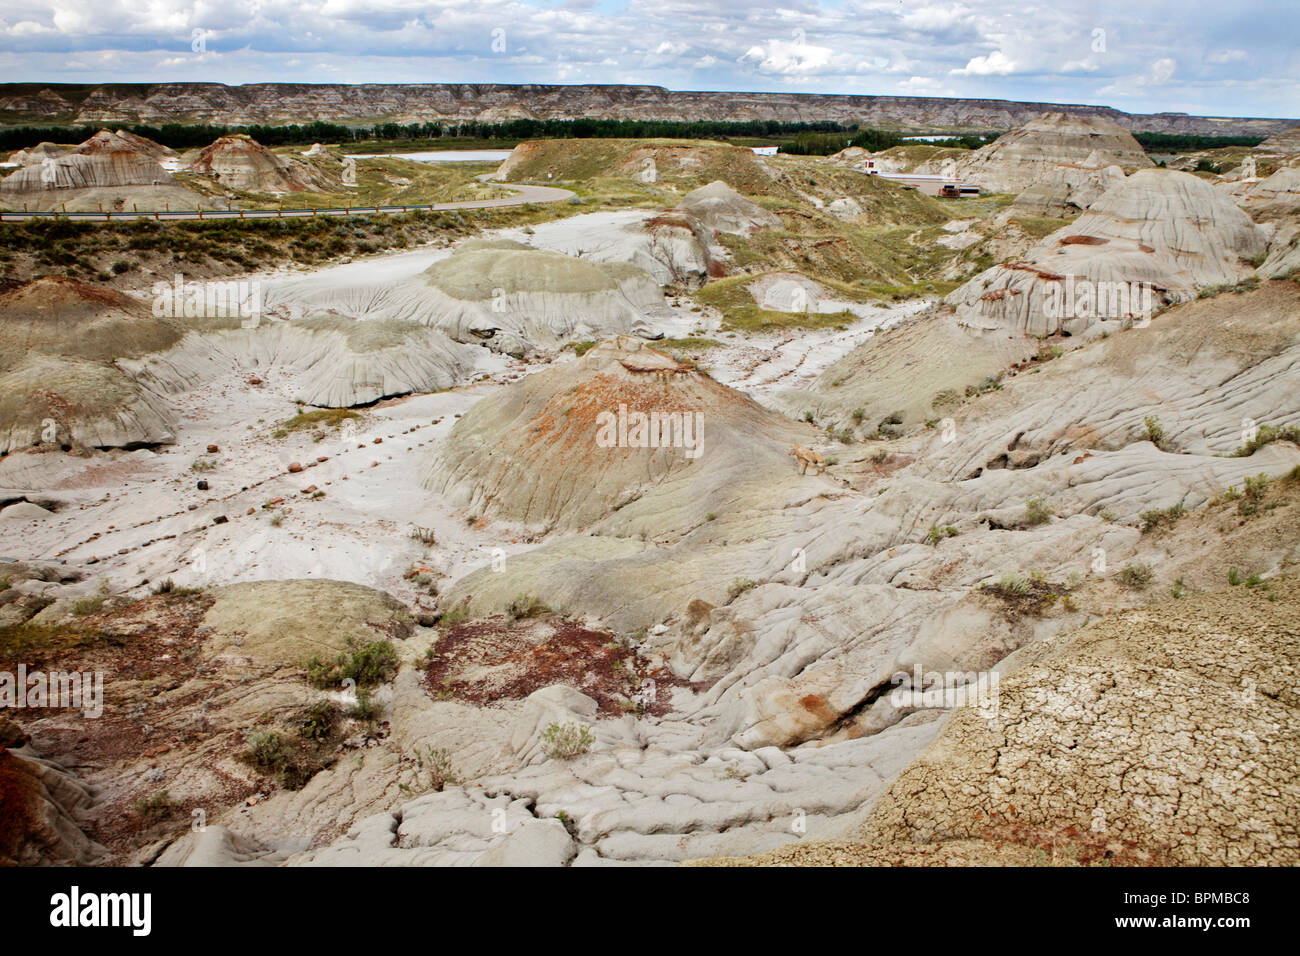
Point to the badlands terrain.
(41, 103)
(737, 510)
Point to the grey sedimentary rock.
(551, 449)
(1055, 148)
(1160, 232)
(418, 102)
(722, 209)
(501, 294)
(240, 162)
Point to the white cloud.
(787, 58)
(922, 86)
(1162, 70)
(1159, 74)
(1229, 56)
(68, 21)
(935, 18)
(996, 63)
(27, 28)
(1080, 66)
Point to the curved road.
(524, 195)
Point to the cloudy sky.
(1238, 58)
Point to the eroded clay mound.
(38, 153)
(918, 371)
(123, 140)
(76, 403)
(107, 159)
(58, 340)
(39, 804)
(240, 162)
(680, 163)
(1037, 151)
(84, 366)
(1067, 192)
(1165, 231)
(518, 298)
(64, 317)
(551, 449)
(106, 172)
(87, 171)
(332, 361)
(722, 209)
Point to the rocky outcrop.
(107, 170)
(84, 366)
(40, 805)
(1274, 202)
(551, 449)
(506, 295)
(241, 163)
(722, 209)
(331, 360)
(1055, 148)
(1162, 233)
(300, 102)
(1162, 736)
(1284, 143)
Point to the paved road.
(523, 195)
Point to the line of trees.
(1183, 142)
(187, 136)
(804, 139)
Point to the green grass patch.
(1266, 434)
(318, 418)
(33, 643)
(685, 345)
(740, 312)
(368, 663)
(1166, 517)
